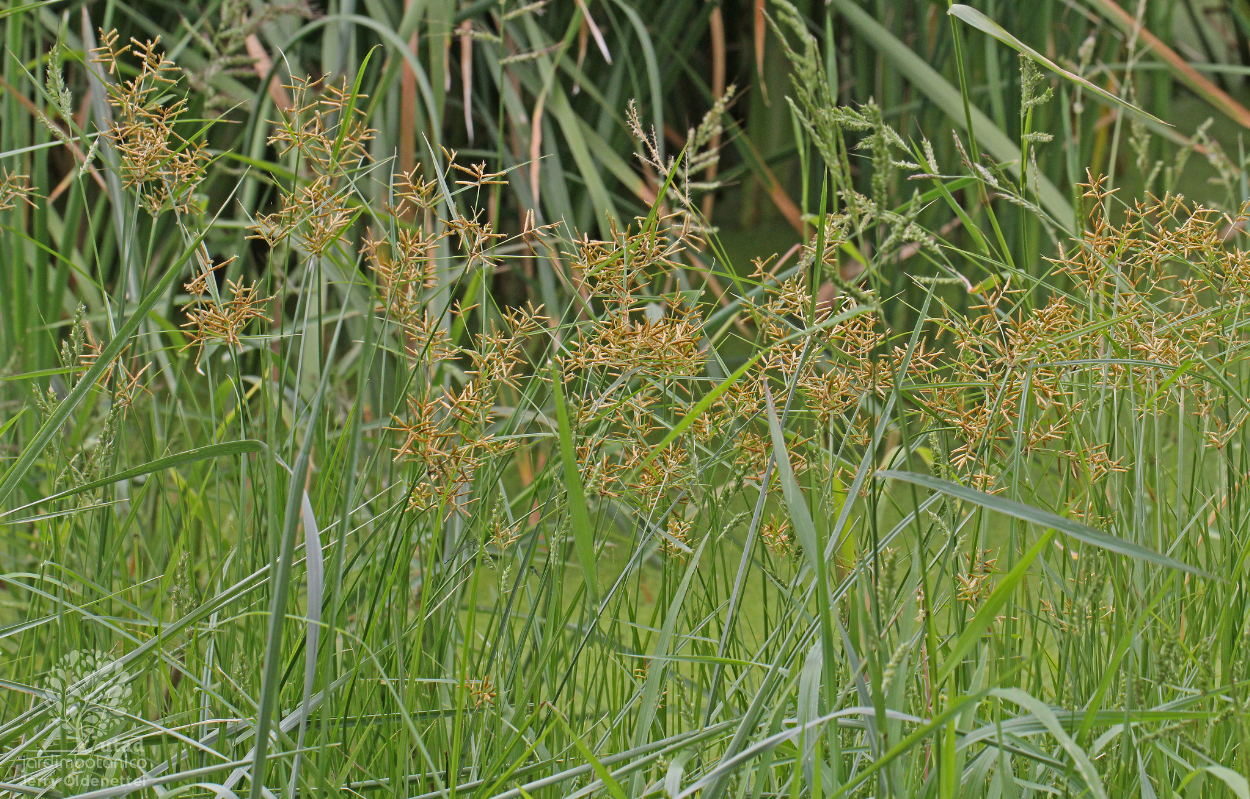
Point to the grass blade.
(698, 410)
(314, 563)
(271, 679)
(947, 97)
(613, 787)
(1181, 69)
(158, 465)
(1235, 782)
(988, 610)
(658, 664)
(87, 382)
(579, 513)
(1028, 513)
(986, 25)
(1042, 711)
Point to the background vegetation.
(624, 398)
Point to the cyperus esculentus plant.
(379, 460)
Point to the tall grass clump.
(346, 454)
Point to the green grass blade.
(947, 97)
(986, 25)
(700, 407)
(87, 382)
(579, 512)
(314, 564)
(1028, 513)
(1235, 782)
(988, 610)
(271, 684)
(28, 7)
(601, 771)
(1042, 711)
(1180, 69)
(658, 665)
(160, 464)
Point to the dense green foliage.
(623, 398)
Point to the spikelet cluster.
(1141, 309)
(633, 360)
(14, 188)
(449, 432)
(162, 166)
(220, 315)
(684, 176)
(326, 131)
(164, 169)
(224, 40)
